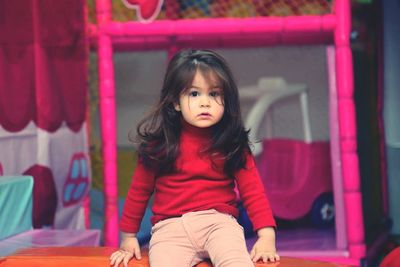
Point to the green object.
(126, 164)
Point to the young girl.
(193, 149)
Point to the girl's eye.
(215, 93)
(194, 93)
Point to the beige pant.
(187, 240)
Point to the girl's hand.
(129, 248)
(264, 249)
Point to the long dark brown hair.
(158, 133)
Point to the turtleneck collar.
(196, 132)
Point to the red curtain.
(43, 64)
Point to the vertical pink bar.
(109, 147)
(348, 130)
(108, 125)
(340, 216)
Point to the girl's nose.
(205, 101)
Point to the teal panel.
(15, 205)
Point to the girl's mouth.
(204, 114)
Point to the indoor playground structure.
(45, 170)
(346, 244)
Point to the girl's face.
(202, 104)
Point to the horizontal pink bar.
(129, 43)
(222, 26)
(220, 32)
(303, 23)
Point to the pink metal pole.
(348, 131)
(108, 125)
(222, 26)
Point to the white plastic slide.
(267, 92)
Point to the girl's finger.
(114, 254)
(271, 258)
(137, 253)
(126, 260)
(256, 257)
(265, 257)
(113, 258)
(118, 260)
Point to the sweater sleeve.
(142, 187)
(252, 193)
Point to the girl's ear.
(177, 107)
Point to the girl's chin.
(203, 124)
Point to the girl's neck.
(194, 131)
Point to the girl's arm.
(257, 206)
(264, 249)
(139, 193)
(253, 196)
(136, 201)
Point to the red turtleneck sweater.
(195, 186)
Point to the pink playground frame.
(245, 32)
